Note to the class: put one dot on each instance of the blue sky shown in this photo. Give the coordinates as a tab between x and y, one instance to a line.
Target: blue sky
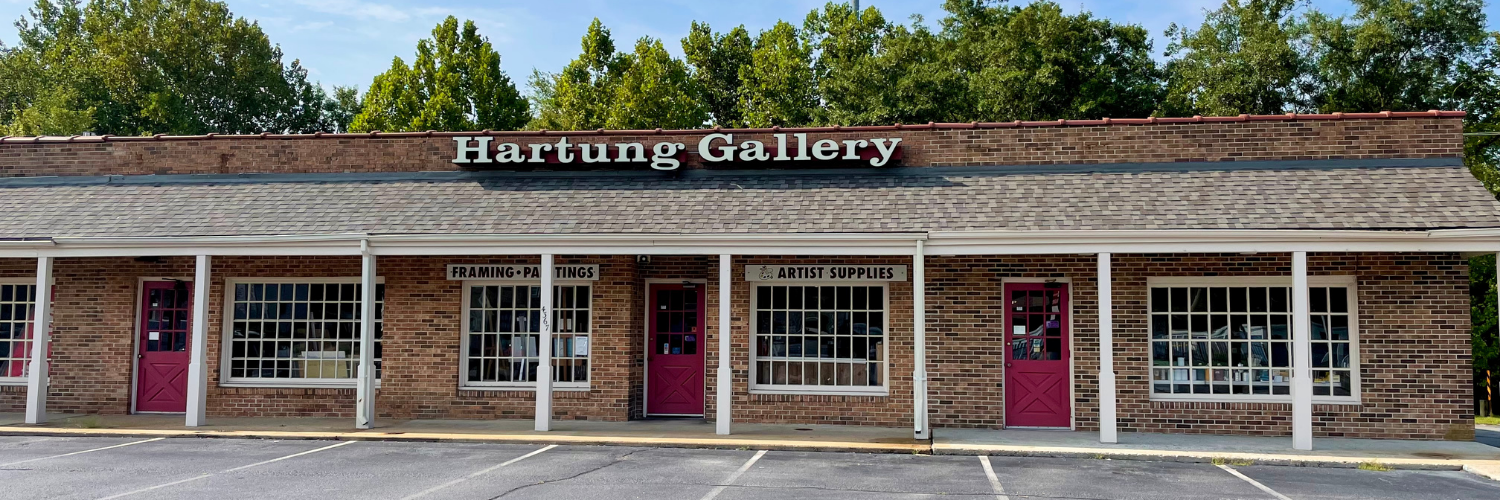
347	42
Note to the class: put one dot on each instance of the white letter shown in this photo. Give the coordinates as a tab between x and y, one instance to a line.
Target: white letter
510	153
602	152
802	147
464	149
705	148
536	152
851	145
753	151
885	153
781	148
564	151
825	149
663	159
623	149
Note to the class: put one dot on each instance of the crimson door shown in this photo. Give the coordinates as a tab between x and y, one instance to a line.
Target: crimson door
1036	372
162	355
674	363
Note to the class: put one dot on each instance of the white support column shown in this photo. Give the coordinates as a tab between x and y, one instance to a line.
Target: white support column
544	352
1301	356
724	392
1107	420
919	344
41	335
364	411
197	385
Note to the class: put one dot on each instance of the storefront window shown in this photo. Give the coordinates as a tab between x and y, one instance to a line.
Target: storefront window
504	321
16	306
1235	342
820	338
298	331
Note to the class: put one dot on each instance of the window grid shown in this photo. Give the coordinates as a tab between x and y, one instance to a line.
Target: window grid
17	302
299	330
504	330
1237	341
820	337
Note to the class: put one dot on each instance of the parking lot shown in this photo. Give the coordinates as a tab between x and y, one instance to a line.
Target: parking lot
223	469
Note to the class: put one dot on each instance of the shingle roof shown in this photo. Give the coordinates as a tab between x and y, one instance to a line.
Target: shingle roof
1367	196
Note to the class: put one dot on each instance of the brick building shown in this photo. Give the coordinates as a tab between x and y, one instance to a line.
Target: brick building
1299	275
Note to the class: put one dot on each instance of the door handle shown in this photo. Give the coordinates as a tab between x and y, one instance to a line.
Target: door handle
1007	364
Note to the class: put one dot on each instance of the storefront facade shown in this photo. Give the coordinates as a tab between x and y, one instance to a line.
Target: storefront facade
1110	276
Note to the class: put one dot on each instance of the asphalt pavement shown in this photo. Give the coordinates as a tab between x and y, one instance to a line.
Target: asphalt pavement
227	469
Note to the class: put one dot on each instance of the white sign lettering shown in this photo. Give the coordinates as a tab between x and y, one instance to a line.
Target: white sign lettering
589	272
713	148
763	272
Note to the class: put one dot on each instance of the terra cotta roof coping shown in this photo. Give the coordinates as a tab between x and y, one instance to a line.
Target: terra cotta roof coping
836	128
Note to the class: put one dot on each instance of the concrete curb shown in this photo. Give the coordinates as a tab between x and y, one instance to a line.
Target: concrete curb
431	437
1487	468
1228	458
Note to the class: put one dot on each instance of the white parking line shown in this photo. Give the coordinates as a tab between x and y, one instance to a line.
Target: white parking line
477	474
989	472
1254	483
732	477
80	452
242	467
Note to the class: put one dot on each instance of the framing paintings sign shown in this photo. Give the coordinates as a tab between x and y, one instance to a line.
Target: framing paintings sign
877	272
589	272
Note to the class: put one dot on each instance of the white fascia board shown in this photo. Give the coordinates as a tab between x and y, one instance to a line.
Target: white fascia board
1209	241
305	245
648	244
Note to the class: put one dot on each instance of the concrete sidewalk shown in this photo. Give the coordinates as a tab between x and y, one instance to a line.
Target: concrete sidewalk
695	433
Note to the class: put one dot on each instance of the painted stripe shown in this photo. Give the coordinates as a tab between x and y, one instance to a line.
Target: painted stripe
989	472
84	451
732	477
210	474
477	474
1254	483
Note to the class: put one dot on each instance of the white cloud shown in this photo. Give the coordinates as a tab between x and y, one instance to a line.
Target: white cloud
357	9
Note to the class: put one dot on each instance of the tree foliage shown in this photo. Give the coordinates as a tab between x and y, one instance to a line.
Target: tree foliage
778	88
130	67
716	59
455	83
1247	57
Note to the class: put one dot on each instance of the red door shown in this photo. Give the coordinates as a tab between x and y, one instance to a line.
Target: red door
1036	373
162	355
674	365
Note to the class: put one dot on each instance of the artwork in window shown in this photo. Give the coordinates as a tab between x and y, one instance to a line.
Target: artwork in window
299	330
1237	341
823	336
17	304
504	328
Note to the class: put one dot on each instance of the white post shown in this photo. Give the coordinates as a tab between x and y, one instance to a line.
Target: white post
724	393
1107	420
544	352
41	335
197	384
364	411
1301	356
919	344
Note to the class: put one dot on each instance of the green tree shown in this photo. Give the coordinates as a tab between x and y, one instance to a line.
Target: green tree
1246	57
340	109
577	98
1035	63
873	72
778	87
716	60
654	90
455	83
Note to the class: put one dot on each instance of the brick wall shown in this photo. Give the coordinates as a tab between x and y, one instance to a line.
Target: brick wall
1275	139
1413	343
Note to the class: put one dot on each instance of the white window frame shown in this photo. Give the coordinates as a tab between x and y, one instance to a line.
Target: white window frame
463	352
1338	281
21	380
226	337
822	390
